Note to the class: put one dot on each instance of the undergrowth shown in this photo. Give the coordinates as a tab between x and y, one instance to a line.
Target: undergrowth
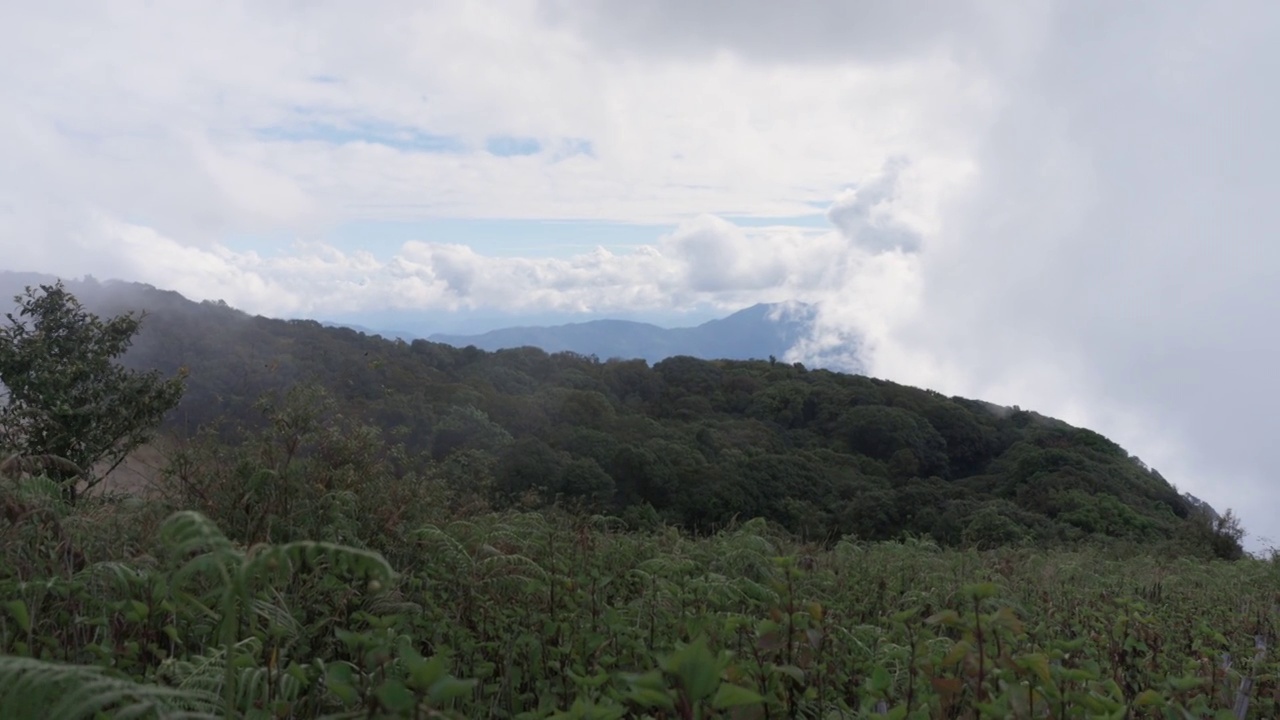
524	615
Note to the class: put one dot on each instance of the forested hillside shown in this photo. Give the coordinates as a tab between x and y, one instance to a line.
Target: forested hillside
690	442
343	526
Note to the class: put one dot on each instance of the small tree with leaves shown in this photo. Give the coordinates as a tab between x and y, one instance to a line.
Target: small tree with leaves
66	405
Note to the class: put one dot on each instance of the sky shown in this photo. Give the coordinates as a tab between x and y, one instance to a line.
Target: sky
1068	205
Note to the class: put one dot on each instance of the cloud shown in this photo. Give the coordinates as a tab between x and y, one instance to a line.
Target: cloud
817	32
330	112
706	261
865	217
1113	261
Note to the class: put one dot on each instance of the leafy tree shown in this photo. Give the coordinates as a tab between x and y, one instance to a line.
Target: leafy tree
991	527
467	428
583	478
66	397
879	432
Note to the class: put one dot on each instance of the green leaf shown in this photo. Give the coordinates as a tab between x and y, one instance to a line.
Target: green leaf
697	669
728	696
395	697
946	617
341	682
648	691
1148	698
880	680
1037	663
448	689
141	609
1184	684
18	609
424	673
790	671
980	591
904	615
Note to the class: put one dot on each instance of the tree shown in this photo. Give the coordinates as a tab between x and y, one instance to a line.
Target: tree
65	397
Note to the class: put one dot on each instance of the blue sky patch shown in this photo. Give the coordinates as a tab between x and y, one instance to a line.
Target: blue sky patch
509	145
570	147
494	237
506	237
510	237
400	138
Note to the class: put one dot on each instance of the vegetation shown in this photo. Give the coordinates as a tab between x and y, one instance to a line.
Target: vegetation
685	442
427	532
66	402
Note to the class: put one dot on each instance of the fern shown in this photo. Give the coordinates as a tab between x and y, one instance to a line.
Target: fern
38	690
240	576
254	685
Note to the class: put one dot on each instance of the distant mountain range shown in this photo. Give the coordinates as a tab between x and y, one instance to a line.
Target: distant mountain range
388	334
757	332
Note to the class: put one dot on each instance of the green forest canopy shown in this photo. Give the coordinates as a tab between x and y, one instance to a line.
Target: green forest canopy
689	442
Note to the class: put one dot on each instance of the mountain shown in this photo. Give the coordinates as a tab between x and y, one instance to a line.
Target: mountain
758	332
388	334
698	444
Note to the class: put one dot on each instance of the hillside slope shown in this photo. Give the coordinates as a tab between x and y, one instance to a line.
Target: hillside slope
688	441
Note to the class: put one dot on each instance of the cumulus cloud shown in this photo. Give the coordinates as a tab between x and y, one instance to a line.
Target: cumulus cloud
865	216
1113	261
1109	258
705	261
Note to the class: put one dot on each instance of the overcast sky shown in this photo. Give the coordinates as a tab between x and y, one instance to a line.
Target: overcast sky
1070	206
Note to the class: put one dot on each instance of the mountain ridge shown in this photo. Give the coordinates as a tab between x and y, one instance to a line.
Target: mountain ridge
696	443
757	332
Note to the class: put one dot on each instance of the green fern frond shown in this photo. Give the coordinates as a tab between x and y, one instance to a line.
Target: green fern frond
206	674
510	567
37	490
278	618
17	464
187	533
607	523
442	546
391	603
294	556
114	576
38	690
462	528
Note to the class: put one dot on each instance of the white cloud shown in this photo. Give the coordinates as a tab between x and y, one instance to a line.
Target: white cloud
154	116
865	215
704	261
1114	261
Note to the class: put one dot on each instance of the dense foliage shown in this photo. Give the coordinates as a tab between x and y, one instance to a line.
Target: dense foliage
688	442
547	615
65	399
299	561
